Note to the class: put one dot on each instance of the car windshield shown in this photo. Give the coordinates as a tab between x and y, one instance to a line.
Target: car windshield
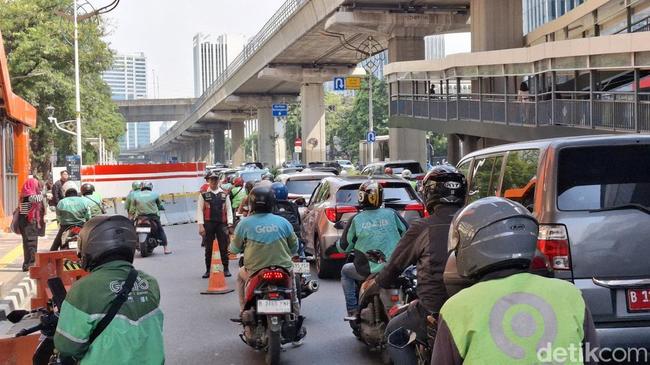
302	187
251	175
399	167
603	177
393	192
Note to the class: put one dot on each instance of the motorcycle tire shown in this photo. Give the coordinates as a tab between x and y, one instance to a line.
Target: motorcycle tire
274	347
144	249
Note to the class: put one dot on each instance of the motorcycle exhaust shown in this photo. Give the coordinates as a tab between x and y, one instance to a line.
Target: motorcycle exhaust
312	286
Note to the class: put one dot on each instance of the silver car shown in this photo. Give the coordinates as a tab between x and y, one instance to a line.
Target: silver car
591	196
334	202
302	185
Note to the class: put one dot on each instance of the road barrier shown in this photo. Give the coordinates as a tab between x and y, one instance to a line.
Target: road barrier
62	264
18	350
217	281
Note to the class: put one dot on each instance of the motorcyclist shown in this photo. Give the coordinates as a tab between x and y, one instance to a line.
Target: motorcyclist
374	228
95	201
147	203
214	217
425	245
408	176
237	193
134	335
71	211
286	208
244	208
269	240
128	202
511	316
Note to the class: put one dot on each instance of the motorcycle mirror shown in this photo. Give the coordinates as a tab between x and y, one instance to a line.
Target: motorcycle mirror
16	315
401	337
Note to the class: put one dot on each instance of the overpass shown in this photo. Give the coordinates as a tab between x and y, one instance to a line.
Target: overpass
306	43
158	110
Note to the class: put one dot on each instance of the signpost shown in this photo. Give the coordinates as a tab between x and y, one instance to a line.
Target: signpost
297	145
353	83
371	137
73	166
280	110
339	83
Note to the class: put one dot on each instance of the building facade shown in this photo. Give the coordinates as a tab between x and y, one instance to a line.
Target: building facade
212	55
434	47
539	12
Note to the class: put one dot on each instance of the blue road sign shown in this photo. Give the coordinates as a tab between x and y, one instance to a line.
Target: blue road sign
280	110
371	137
339	83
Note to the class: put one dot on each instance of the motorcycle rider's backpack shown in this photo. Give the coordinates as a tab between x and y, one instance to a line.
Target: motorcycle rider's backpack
289	211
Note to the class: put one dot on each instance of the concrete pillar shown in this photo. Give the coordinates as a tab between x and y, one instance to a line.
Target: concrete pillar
237	132
313	122
406	143
266	136
218	146
469	144
496	24
453	149
280	142
205	150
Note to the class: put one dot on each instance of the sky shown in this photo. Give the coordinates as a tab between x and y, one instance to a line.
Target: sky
163	31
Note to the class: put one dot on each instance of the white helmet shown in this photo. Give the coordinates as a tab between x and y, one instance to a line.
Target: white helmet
406	173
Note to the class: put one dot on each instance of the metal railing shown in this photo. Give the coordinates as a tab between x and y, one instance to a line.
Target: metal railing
607	110
12	192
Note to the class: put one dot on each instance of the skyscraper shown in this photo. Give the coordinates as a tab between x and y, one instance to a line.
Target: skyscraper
539	12
127	79
212	55
434	47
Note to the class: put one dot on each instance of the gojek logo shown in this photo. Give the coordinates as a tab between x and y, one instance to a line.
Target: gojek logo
522	323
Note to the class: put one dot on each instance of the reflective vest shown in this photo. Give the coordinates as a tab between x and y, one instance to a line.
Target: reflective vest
214	207
520	319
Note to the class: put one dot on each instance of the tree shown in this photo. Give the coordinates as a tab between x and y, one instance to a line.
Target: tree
38	36
251	144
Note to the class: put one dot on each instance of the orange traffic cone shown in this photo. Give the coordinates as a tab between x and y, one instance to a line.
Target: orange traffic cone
217	281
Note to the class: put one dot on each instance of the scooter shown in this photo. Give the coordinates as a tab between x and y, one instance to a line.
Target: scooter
145	228
305	285
268	317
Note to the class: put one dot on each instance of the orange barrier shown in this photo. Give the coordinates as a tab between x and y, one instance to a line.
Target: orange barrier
48	265
18	350
217	281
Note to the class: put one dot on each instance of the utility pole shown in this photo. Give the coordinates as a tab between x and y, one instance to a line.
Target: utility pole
371	126
76	80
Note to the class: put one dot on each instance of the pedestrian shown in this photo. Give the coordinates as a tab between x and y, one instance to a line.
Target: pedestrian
31	219
114	300
214	217
57	189
510	316
524	93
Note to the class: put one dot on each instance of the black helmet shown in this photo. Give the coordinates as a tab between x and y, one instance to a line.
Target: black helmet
261	199
371	195
492	234
147	185
444	184
106	238
87	188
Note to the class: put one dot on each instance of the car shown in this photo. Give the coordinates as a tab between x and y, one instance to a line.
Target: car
334	202
251	174
225	174
302	185
324	164
397	166
289	170
253	165
591	196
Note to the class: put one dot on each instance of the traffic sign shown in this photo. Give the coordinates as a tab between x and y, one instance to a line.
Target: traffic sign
371	137
297	145
280	110
339	83
353	83
73	166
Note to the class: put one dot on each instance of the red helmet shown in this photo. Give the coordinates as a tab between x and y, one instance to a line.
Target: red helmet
239	181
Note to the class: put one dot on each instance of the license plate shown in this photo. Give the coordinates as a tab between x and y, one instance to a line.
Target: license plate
301	268
143	229
72	245
638	300
273	306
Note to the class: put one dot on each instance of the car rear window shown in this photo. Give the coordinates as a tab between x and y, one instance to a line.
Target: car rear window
399	167
251	175
602	177
302	187
395	192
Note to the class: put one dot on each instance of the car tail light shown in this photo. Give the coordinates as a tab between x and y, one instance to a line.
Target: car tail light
334	214
419	207
75	230
274	295
274	276
553	242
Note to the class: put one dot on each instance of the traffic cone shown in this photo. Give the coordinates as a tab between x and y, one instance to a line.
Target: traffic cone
217	281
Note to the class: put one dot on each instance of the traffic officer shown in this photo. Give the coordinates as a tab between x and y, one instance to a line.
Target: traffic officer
425	245
510	316
214	216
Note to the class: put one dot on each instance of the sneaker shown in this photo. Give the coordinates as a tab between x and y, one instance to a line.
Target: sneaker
206	275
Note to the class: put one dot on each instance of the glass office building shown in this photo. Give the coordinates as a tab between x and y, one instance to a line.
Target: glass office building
539	12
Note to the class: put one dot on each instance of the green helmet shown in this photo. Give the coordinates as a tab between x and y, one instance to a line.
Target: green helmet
136	185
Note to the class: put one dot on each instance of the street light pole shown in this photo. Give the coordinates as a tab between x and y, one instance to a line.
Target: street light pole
370	116
76	79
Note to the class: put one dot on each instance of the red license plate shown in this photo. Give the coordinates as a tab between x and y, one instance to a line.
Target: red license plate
638	300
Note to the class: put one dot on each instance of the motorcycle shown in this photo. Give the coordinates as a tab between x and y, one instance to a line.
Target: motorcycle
305	285
146	228
70	237
268	318
45	353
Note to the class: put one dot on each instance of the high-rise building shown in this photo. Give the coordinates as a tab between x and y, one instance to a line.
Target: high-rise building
212	55
539	12
127	79
434	47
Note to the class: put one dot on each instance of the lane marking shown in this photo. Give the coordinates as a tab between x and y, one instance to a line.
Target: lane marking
11	256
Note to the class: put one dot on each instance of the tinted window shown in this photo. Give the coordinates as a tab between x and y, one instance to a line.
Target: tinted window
302	187
519	176
399	167
485	177
603	177
395	192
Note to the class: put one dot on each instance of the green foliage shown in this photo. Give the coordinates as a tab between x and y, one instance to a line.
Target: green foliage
38	41
292	128
251	143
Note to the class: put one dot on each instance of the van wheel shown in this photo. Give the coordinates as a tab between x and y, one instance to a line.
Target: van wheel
325	269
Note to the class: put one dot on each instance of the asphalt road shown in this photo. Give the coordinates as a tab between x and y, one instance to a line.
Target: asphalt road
197	327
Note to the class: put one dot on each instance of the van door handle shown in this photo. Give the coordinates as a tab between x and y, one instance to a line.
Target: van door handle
631	283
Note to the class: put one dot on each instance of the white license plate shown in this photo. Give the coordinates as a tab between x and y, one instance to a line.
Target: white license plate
301	268
273	306
143	229
72	245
